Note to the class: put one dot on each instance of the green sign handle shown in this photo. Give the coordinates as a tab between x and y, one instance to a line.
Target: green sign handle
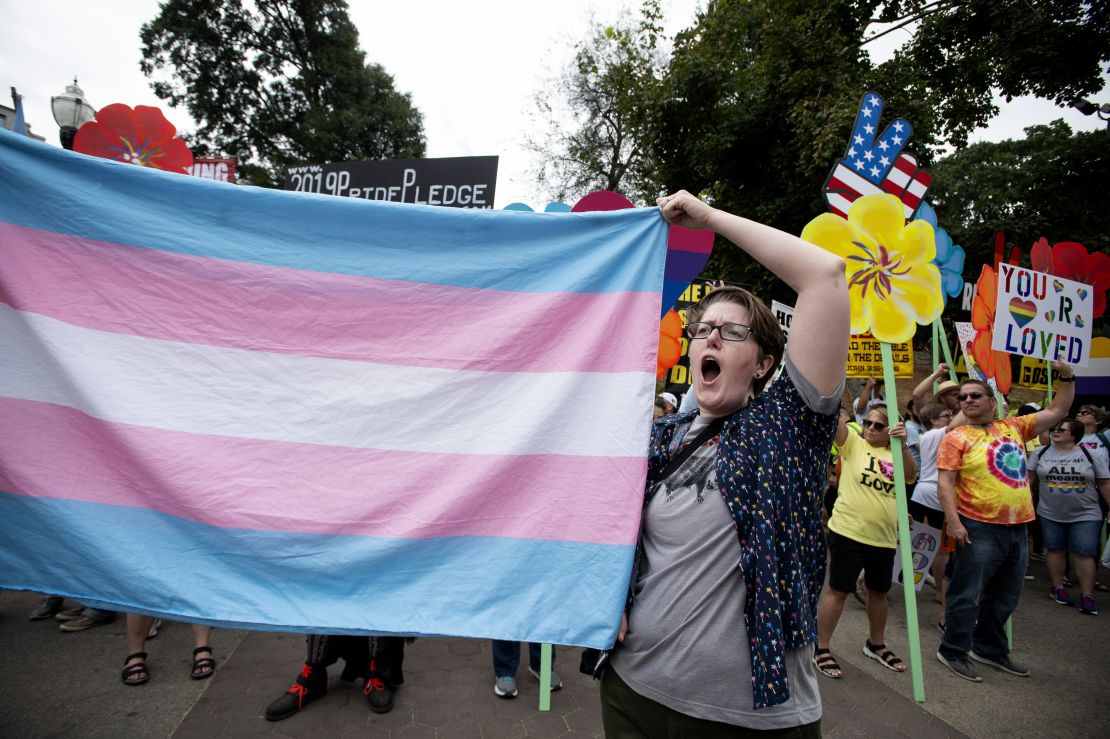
904	541
939	326
545	677
936	356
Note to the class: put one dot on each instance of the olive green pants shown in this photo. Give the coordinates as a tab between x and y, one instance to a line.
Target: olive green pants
626	714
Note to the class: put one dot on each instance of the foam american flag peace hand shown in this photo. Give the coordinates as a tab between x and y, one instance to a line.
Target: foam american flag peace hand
875	162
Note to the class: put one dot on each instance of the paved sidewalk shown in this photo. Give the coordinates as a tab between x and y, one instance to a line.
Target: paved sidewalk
448	694
68	685
64	685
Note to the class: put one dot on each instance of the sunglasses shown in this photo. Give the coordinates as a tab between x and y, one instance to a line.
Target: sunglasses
970	396
877	425
1084	412
1058	429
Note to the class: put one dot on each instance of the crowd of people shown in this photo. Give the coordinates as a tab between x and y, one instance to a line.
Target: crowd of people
729	622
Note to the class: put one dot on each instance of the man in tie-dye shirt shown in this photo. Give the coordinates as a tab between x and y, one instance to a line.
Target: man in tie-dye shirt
984	489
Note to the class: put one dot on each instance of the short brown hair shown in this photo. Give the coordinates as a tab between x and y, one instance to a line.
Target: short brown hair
765	327
986	388
931	412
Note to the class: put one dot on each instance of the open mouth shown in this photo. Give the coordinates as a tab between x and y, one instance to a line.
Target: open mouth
709	369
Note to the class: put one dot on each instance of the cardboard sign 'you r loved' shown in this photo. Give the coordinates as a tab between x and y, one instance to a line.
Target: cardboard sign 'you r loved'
1043	316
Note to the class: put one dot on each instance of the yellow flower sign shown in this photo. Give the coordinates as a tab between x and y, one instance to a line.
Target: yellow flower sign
891	281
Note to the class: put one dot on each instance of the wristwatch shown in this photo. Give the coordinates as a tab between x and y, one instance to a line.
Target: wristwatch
1069	378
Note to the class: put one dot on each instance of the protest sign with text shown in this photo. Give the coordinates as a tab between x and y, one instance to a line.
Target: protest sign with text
865	358
784	314
1042	316
459	182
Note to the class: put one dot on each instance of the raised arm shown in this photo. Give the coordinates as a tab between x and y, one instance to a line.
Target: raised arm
924	388
841	430
819	331
1057	410
865	397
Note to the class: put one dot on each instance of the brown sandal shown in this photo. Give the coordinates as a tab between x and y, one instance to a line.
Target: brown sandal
826	663
135	674
203	667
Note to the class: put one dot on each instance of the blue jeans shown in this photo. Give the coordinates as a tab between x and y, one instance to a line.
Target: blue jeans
987	577
94	613
506	657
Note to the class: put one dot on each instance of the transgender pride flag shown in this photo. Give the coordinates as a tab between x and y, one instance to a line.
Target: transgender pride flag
294	412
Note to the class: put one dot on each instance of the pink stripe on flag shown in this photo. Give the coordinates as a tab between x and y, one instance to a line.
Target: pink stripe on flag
51	451
143	292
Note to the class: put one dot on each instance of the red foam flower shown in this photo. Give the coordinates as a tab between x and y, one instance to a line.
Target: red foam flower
141	136
993	363
1074	263
1041	257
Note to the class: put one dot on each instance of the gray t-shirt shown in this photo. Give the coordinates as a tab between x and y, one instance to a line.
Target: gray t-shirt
1068	484
687	644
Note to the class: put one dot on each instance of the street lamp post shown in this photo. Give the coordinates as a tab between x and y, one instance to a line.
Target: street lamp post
71	111
1086	107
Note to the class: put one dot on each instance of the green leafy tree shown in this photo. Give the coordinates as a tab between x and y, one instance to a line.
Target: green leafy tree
759	96
762	93
1052	183
591	132
277	83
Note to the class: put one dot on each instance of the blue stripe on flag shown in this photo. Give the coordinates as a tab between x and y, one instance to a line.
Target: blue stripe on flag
51	189
464	586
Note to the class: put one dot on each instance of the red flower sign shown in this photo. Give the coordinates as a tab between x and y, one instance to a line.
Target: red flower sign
141	136
1072	262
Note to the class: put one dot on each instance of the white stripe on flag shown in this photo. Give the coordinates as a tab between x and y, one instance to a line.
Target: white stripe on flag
838	203
237	393
854	181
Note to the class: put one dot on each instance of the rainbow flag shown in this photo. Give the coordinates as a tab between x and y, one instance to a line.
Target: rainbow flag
294	412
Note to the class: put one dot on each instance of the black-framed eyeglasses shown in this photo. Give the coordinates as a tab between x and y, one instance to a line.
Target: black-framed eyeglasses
1060	428
947	414
970	396
727	331
877	425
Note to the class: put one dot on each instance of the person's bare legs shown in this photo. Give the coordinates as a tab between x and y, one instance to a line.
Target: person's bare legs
940	562
201	634
1056	559
829	610
137	628
877	605
1084	572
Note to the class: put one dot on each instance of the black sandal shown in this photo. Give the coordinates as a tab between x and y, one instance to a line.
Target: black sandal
825	663
135	674
883	656
203	667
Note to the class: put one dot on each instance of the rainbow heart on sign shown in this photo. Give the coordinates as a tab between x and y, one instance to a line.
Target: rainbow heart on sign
687	251
1023	311
1050	316
1079	322
1082	293
1057	285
